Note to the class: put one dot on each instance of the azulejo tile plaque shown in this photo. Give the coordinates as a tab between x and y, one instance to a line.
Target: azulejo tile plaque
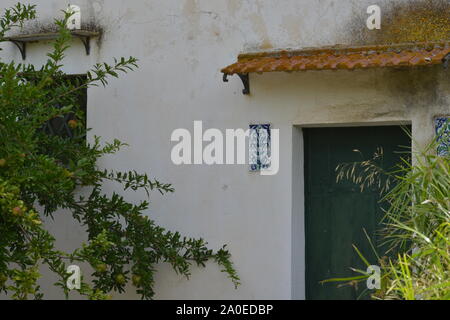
259	147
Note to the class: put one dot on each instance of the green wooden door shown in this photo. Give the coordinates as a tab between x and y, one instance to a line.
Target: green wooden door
336	213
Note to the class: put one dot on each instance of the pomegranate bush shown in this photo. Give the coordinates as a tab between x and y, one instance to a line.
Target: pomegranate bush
42	173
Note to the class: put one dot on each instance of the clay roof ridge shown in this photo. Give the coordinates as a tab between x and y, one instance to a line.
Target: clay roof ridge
341	49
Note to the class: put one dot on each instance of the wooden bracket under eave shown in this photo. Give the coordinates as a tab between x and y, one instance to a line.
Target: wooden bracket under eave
245	81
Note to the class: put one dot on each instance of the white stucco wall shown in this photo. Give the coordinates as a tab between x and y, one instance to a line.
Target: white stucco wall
182	45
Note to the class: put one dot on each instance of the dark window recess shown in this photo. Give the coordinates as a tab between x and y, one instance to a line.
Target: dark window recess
60	126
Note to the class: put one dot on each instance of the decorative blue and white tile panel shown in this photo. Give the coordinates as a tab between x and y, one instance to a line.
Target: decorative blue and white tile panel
442	125
259	147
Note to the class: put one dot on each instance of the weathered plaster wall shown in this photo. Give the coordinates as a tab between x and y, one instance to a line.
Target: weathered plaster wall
182	45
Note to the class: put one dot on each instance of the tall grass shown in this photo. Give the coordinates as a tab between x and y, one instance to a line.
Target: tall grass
416	224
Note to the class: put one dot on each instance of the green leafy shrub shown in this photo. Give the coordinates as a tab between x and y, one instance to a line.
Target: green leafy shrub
41	173
416	226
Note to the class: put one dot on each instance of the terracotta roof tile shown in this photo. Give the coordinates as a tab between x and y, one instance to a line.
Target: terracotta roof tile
333	58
